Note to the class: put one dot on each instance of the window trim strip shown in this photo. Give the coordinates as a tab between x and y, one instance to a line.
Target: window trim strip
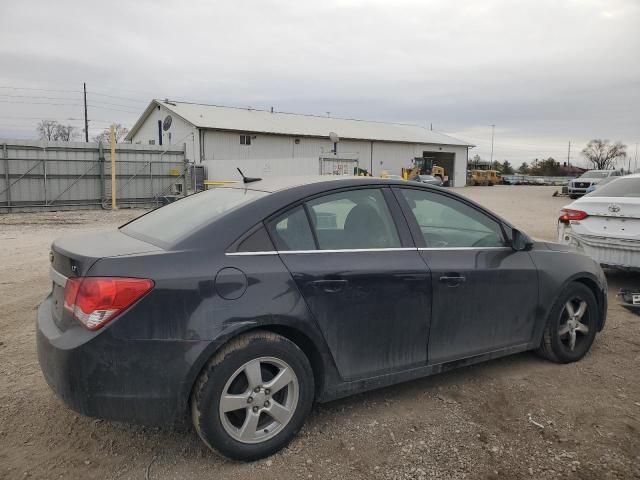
362	250
423	249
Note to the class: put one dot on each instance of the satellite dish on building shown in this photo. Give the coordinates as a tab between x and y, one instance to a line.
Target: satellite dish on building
333	136
167	123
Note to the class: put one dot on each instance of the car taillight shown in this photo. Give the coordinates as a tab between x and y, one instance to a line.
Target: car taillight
569	214
95	301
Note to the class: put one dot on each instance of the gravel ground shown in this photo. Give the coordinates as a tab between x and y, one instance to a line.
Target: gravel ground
517	417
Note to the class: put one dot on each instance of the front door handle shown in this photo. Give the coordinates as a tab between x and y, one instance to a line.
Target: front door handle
329	286
452	279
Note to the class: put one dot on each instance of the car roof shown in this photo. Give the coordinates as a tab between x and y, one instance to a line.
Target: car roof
277	184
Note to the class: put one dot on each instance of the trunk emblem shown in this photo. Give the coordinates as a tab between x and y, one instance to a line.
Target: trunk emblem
613	208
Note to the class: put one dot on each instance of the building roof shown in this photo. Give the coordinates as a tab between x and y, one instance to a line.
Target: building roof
278	123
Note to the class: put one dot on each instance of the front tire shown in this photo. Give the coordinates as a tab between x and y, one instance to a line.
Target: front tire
253	396
572	325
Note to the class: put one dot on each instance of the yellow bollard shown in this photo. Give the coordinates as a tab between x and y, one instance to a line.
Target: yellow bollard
112	138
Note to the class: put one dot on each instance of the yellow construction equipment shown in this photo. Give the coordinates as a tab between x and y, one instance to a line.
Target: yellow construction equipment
477	177
425	166
493	177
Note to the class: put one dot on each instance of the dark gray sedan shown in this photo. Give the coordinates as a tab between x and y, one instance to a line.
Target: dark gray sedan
241	306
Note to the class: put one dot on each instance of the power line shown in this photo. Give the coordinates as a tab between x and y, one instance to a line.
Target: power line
113	104
38	97
118	97
110	108
8	87
40	103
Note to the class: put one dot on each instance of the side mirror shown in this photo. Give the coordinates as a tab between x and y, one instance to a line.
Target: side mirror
520	241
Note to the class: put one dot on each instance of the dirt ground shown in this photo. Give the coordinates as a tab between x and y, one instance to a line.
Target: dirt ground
518	417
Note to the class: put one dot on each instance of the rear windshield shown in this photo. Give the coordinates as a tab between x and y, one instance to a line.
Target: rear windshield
168	224
622	187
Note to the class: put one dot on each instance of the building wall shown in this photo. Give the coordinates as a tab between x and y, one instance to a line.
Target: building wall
374	156
178	134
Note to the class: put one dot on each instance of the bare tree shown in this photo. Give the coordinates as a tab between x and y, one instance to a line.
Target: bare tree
47	129
104	137
52	130
603	154
65	133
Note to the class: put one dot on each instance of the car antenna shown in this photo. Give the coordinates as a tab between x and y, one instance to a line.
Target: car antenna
248	179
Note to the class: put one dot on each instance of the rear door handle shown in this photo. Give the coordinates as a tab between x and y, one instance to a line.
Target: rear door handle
329	286
452	279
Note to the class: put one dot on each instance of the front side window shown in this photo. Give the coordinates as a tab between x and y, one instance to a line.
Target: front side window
353	219
449	223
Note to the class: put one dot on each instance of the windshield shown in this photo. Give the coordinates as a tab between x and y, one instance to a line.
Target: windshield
622	187
595	174
168	224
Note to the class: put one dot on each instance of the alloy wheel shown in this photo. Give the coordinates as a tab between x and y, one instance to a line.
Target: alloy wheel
574	323
258	400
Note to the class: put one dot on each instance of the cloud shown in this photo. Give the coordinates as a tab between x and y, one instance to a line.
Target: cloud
543	71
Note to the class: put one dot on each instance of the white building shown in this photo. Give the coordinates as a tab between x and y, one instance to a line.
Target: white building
265	143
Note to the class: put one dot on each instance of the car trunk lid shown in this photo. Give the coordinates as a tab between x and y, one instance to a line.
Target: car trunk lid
613	217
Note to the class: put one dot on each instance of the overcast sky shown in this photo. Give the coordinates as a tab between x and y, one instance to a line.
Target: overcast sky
543	71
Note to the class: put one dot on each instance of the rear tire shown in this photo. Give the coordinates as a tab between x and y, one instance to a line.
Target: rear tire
253	396
572	325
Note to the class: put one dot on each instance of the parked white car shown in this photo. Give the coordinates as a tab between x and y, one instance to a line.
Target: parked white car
606	223
578	186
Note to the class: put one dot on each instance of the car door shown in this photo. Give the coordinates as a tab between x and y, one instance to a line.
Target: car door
484	293
352	257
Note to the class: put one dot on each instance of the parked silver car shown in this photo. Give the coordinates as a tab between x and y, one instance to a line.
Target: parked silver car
429	180
578	186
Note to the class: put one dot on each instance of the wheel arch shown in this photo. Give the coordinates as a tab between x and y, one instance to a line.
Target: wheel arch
301	339
592	285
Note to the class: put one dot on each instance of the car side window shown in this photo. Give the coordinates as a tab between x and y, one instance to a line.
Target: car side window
353	219
258	241
291	231
449	223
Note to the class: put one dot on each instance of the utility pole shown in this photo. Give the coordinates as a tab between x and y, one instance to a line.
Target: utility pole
86	122
635	162
569	156
491	161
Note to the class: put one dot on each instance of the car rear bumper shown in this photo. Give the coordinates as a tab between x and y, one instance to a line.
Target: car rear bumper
609	252
101	376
